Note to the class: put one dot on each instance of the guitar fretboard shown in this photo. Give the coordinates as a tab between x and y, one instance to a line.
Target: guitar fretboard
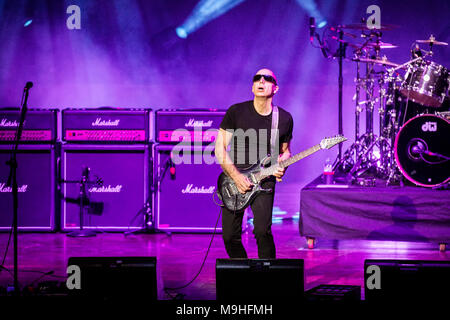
264	173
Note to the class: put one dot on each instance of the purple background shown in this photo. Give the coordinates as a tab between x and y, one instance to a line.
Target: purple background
119	58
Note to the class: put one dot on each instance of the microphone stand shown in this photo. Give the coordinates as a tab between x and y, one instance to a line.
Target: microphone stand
341	55
83	201
12	182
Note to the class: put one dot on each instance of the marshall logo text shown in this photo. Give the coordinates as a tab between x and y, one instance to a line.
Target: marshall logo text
198	123
8	123
4	188
108	188
105	123
191	189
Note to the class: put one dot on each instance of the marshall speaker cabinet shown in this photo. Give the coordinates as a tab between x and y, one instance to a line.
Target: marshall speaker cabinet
35	173
121	175
185	179
173	126
36	181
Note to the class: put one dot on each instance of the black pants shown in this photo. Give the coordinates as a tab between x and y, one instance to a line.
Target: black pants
262	221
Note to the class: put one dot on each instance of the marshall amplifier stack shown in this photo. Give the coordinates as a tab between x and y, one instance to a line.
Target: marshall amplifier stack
185	171
175	178
114	145
36	169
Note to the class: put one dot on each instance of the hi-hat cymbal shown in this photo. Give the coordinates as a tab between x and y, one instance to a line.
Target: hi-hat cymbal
382	45
363	26
384	62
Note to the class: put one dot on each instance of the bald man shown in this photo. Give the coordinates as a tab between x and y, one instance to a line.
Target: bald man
246	128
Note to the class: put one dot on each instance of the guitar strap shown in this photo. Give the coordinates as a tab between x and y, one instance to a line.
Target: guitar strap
274	131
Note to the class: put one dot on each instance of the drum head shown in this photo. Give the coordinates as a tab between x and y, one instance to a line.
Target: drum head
414	142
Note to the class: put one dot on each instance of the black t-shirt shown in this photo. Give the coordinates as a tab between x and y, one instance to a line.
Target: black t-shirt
251	132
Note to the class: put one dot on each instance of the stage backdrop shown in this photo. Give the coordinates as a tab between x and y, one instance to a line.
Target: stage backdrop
127	54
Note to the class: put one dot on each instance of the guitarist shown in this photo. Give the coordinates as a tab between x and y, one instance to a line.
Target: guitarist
252	116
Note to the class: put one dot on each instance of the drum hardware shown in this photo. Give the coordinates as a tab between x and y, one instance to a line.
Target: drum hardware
423	87
366	182
444	114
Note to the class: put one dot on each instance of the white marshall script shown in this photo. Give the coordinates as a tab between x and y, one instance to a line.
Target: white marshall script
198	123
4	188
109	188
7	123
105	123
191	189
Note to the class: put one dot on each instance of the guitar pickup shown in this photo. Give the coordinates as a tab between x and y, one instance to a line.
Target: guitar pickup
253	179
228	192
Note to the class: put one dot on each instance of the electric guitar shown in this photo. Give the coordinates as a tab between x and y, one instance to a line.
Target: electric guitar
229	193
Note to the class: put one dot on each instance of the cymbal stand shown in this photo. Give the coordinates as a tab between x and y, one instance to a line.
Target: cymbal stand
358	108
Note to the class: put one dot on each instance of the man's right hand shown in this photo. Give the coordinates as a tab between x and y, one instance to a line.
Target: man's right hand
242	183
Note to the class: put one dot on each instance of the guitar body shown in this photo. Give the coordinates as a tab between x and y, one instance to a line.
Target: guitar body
229	194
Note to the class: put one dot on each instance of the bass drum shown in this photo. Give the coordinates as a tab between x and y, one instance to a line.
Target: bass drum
422	150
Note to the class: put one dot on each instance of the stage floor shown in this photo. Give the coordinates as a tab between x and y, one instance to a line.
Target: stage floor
179	256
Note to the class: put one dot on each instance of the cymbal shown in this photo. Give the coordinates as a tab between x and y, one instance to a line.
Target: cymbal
363	26
384	62
382	45
433	42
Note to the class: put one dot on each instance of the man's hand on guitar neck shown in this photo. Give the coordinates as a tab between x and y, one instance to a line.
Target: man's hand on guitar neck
283	156
279	174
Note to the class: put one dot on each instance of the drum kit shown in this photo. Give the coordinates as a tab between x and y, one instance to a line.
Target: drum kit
413	141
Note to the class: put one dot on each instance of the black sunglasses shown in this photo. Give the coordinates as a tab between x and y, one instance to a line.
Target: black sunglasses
266	77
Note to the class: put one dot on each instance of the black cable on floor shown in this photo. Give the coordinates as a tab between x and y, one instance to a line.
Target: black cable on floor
180	296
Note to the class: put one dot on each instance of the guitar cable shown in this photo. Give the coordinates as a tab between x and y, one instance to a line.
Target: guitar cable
180	296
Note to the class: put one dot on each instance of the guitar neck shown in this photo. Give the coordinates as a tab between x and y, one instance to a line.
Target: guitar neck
299	156
286	163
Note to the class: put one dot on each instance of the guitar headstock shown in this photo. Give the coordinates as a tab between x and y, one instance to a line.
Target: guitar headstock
327	143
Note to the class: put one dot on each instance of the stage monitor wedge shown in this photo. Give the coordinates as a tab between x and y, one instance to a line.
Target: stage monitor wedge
116	277
259	280
406	280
